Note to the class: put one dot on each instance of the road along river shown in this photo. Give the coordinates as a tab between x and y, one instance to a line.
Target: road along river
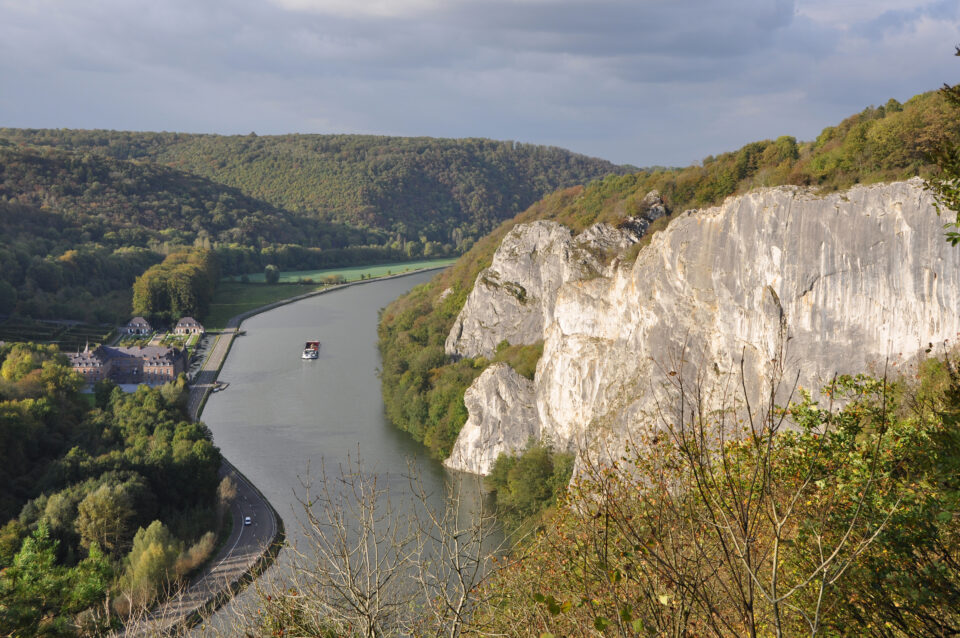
282	414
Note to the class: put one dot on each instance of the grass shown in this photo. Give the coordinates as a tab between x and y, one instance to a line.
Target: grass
233	297
353	274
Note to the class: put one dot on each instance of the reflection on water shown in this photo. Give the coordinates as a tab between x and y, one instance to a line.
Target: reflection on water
282	414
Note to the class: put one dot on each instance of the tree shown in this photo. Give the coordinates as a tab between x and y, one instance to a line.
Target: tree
271	274
21	359
8	297
151	565
371	566
946	184
102	390
40	597
105	516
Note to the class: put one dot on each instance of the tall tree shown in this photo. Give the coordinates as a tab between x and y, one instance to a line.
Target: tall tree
946	184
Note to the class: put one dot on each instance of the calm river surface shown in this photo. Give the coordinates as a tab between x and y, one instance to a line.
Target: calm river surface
282	413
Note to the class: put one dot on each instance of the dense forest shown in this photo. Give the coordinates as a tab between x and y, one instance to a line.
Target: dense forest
119	202
101	507
423	389
442	190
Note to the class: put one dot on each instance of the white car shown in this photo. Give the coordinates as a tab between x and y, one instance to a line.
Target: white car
246	520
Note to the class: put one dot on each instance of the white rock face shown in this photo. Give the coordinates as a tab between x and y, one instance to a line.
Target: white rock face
854	278
513	299
503	416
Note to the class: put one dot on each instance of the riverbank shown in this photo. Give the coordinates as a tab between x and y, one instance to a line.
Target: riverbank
242	558
234	298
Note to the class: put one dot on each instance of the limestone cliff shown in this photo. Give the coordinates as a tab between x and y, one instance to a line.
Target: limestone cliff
503	416
513	299
852	278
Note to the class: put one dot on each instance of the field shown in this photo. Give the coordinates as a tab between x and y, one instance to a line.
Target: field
233	298
352	274
68	336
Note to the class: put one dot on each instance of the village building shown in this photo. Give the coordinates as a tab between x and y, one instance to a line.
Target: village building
137	326
188	326
152	365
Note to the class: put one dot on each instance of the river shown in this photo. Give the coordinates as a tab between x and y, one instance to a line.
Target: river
281	414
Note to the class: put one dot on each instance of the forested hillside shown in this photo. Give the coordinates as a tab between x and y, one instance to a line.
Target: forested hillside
443	190
121	201
423	389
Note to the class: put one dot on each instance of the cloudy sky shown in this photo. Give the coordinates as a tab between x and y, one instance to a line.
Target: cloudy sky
634	81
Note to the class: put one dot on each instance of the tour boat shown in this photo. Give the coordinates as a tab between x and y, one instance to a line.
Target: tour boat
311	350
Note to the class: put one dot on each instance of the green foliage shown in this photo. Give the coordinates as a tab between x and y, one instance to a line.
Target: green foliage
945	184
105	515
404	188
83	480
151	565
39	597
271	274
181	286
82	213
523	359
526	484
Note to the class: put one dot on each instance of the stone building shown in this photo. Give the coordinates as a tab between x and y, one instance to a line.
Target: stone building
137	326
188	326
140	364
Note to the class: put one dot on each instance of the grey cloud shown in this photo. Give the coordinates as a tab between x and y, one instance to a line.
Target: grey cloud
639	81
898	21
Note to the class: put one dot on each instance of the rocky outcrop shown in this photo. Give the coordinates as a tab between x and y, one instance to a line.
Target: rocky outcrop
513	299
848	280
503	417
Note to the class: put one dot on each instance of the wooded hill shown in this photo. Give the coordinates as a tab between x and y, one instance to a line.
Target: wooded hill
297	201
423	390
444	190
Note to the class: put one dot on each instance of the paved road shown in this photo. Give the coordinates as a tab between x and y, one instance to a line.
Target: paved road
242	550
206	379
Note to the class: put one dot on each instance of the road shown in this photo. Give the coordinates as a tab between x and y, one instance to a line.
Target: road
238	556
206	378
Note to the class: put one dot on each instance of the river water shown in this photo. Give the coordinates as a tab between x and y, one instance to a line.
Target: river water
281	414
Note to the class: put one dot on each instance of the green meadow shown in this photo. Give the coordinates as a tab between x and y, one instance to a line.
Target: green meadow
350	274
233	297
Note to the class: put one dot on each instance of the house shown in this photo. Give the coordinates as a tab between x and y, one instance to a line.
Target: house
152	365
137	326
188	326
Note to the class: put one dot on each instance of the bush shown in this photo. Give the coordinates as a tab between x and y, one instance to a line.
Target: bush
271	274
526	484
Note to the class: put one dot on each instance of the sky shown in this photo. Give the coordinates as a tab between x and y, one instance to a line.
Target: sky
644	82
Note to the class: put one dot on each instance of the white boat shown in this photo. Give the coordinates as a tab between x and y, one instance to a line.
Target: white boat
311	350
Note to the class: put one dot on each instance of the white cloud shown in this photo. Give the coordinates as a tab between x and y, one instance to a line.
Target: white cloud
846	12
360	8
